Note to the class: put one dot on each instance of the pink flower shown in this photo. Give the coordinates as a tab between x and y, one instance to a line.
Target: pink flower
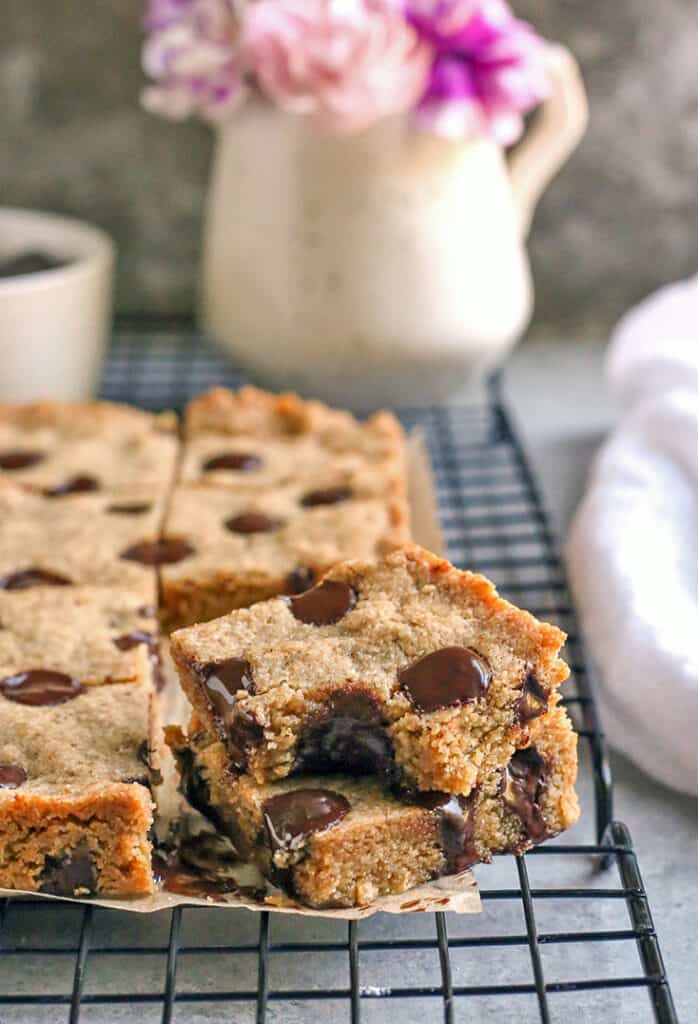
488	71
343	63
193	55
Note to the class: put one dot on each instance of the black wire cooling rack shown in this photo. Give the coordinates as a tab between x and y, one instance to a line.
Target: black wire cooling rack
565	933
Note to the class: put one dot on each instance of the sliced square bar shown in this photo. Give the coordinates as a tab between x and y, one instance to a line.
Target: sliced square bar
106	538
248	546
340	841
251	438
273	491
75	801
60	448
95	635
409	669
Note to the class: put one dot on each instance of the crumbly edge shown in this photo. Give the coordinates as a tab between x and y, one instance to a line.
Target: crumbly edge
114	822
220	411
91	415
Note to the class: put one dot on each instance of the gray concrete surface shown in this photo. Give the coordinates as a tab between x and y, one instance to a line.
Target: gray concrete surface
619	221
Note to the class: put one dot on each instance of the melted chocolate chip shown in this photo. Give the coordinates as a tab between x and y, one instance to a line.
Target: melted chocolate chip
128	641
453	675
26	578
12	776
222	681
173	875
166	551
533	701
300	580
326	603
349	736
328	496
241	462
71	874
73	485
523	786
20	459
252	522
133	509
457	819
39	687
292	817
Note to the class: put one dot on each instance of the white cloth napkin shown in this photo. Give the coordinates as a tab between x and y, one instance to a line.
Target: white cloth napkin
633	547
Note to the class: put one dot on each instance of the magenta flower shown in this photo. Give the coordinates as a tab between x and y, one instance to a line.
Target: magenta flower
343	63
488	70
192	54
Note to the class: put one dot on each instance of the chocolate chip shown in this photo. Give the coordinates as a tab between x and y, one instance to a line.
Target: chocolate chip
128	641
523	786
453	675
222	681
328	496
252	522
166	551
71	874
349	736
12	776
533	701
20	459
326	603
26	578
73	485
39	687
457	819
241	462
300	580
292	817
133	509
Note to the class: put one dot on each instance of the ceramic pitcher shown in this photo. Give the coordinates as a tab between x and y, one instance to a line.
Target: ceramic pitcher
384	268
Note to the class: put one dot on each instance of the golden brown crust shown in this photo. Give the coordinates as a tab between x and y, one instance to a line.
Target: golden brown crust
75	419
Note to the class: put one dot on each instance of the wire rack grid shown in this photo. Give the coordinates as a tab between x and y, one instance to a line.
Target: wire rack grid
565	931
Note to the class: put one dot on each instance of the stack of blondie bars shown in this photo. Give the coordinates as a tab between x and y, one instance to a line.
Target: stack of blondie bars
365	716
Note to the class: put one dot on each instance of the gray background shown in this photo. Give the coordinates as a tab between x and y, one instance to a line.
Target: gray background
621	220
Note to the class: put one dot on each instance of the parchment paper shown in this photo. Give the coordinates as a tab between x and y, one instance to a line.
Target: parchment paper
457	893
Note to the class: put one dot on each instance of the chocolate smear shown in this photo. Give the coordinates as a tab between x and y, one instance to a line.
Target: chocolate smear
73	485
26	578
328	496
241	462
523	786
252	522
166	551
20	459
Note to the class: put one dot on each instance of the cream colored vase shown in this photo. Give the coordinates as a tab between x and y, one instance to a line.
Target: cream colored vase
384	268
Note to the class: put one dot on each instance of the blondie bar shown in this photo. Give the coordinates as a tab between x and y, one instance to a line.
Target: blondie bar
408	669
107	538
273	491
75	800
253	439
60	448
339	841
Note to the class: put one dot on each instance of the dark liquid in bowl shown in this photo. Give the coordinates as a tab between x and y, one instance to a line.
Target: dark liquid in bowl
32	261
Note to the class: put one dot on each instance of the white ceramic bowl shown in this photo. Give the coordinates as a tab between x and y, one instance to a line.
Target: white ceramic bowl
53	323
